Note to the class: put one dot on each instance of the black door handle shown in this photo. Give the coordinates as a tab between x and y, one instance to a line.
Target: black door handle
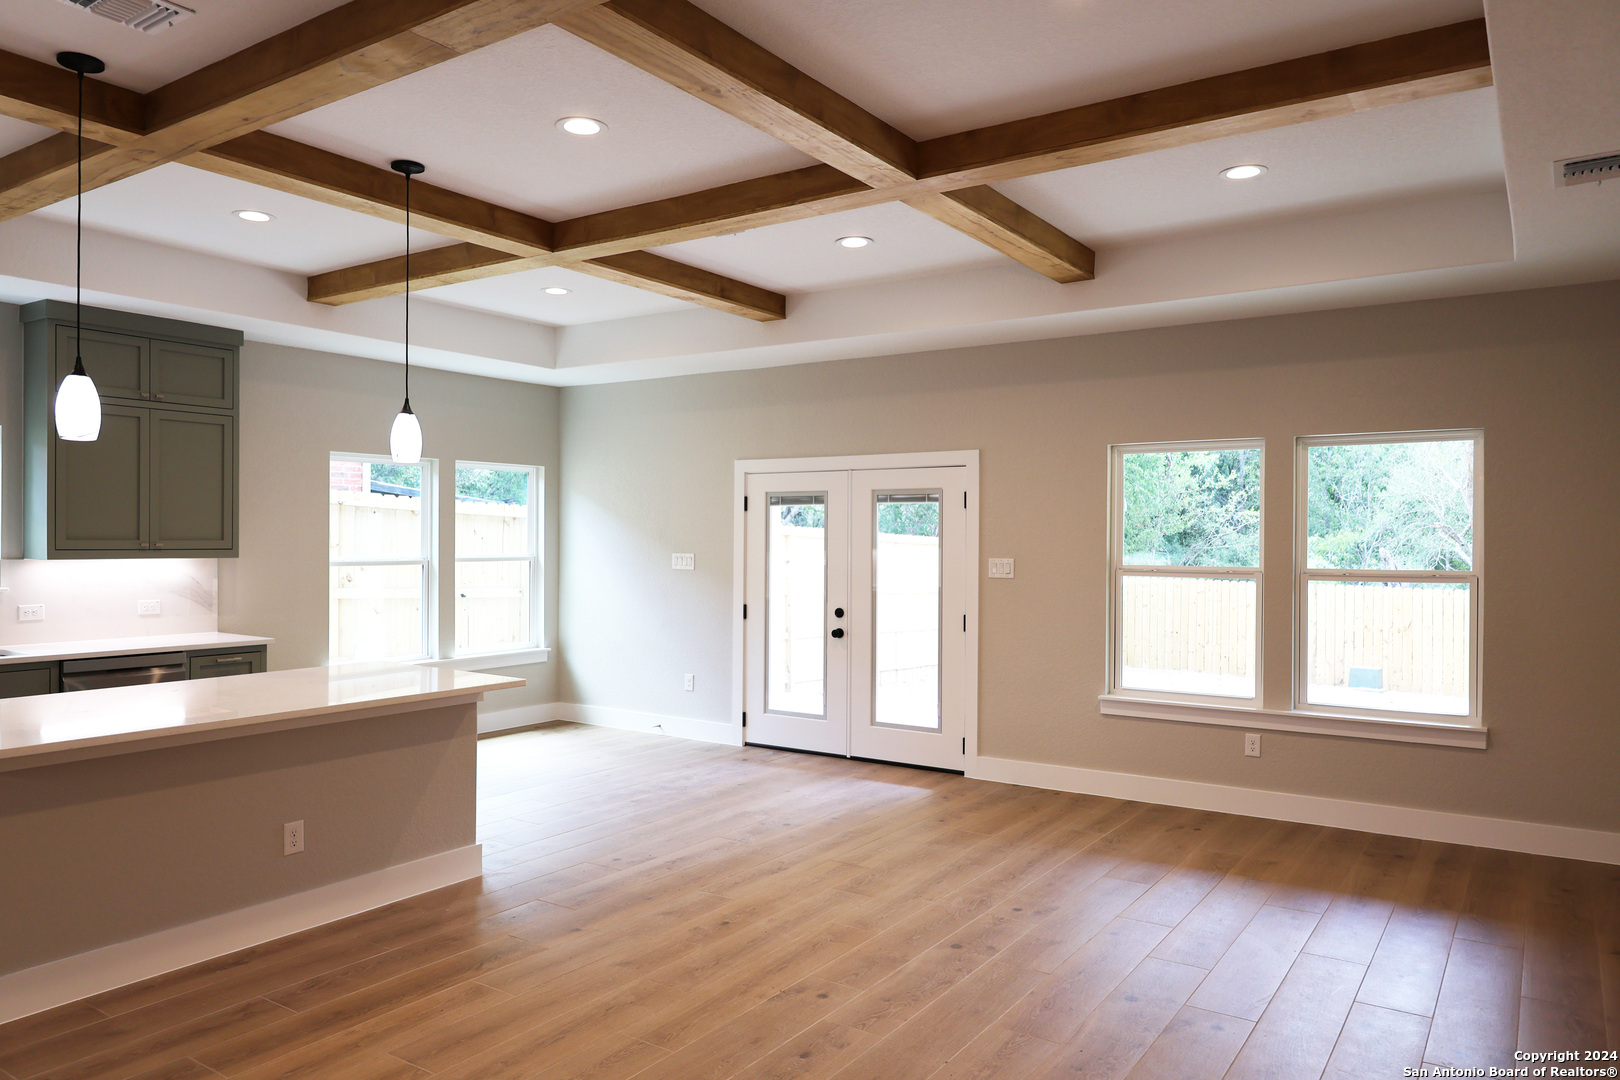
838	632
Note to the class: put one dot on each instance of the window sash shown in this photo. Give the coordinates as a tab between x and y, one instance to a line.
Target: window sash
424	586
1120	570
1304	575
533	507
427	561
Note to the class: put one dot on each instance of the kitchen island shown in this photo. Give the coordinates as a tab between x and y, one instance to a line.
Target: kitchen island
143	828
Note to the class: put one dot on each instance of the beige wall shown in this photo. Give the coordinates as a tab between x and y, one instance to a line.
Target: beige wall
649	472
300	406
105	850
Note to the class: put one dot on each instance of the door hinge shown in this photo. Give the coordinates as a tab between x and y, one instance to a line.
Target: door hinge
745	724
745	504
745	611
964	500
964	623
964	744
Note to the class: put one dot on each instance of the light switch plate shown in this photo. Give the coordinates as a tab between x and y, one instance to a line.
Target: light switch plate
149	607
1001	568
687	561
30	612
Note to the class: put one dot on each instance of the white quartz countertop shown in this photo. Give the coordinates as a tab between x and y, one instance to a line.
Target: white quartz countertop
50	728
128	646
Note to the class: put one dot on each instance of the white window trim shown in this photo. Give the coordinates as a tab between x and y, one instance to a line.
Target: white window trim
428	562
1117	571
1473	720
535	650
1385	728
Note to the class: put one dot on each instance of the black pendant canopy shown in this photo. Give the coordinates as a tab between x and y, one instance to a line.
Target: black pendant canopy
80	62
408	167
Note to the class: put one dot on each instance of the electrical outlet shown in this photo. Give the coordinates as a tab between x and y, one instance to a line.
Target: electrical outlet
689	683
30	612
1251	745
687	561
292	838
148	607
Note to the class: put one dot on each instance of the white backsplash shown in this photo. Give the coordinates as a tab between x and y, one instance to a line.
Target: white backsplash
98	598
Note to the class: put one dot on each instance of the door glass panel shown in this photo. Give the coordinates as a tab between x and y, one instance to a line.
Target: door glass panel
796	605
906	605
1400	645
1187	635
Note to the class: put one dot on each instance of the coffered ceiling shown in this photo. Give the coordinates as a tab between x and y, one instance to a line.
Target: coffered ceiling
745	136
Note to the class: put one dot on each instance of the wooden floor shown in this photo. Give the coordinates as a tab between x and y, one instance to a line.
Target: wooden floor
670	910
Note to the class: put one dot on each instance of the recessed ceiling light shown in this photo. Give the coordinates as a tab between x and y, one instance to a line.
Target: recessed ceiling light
1243	172
854	241
581	125
255	215
556	290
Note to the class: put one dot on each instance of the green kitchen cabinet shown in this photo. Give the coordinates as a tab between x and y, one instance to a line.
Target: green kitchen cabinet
161	480
26	680
215	665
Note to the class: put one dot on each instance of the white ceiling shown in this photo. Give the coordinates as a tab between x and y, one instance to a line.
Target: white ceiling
485	124
188	208
1402	201
1408	150
523	296
936	67
801	256
42	28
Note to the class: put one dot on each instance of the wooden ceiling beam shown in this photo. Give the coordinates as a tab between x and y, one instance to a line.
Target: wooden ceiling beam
341	52
690	49
285	165
48	95
1443	60
1430	63
657	274
991	218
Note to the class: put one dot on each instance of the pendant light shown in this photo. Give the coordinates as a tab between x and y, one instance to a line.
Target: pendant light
405	439
78	406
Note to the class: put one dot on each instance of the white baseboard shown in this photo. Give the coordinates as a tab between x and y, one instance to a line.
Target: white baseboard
1558	840
523	716
657	723
32	990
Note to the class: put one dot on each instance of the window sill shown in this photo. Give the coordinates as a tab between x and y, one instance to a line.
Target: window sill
490	661
1436	733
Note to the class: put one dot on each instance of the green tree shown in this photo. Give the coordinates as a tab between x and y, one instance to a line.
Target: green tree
493	485
1192	508
1391	506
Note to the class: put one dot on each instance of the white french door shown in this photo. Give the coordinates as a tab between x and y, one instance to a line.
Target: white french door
856	613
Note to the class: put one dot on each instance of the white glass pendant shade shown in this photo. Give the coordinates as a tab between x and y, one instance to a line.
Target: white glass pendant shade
78	408
405	439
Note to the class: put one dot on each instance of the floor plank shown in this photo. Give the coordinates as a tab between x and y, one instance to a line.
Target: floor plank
655	909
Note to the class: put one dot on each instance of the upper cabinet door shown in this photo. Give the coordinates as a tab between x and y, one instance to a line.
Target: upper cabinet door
193	375
100	499
193	481
116	363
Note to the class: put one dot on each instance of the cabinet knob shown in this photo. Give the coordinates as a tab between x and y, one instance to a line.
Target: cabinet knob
145	544
158	545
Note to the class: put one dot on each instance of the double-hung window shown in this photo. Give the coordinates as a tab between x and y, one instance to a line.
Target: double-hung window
1185	538
380	555
497	557
1388	574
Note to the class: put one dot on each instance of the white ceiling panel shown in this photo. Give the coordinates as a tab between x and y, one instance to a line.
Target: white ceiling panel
16	134
1402	150
944	66
523	296
42	28
803	256
192	209
484	124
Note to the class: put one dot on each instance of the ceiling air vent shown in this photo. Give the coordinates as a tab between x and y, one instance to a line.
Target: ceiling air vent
149	16
1588	170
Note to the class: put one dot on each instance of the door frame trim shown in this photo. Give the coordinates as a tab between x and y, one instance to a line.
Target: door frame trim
968	459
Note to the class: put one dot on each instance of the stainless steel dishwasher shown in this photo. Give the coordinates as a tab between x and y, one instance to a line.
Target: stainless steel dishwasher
104	671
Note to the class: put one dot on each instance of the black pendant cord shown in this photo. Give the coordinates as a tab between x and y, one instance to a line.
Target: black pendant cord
407	292
78	247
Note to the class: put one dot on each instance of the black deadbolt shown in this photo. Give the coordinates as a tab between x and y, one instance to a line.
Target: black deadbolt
838	632
838	613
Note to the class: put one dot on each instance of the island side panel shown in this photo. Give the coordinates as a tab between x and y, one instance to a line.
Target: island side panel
104	850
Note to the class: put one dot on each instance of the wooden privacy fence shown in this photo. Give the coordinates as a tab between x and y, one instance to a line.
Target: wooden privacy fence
377	610
1401	637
